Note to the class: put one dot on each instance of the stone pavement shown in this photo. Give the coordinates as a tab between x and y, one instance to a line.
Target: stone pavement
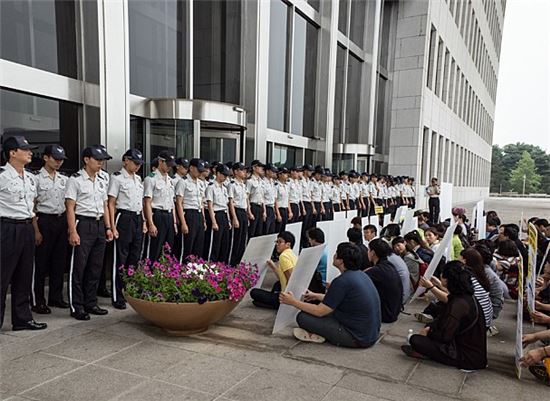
121	357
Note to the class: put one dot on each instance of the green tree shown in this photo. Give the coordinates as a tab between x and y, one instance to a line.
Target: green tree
499	175
525	170
512	153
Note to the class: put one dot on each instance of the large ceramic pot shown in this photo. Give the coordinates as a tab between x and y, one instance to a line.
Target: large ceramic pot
182	319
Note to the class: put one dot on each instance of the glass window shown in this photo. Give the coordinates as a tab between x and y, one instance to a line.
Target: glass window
42	122
304	72
278	36
40	34
339	95
285	156
217	50
357	23
91	41
92	130
446	76
431	57
439	68
385	35
381	135
174	135
314	3
137	133
341	162
343	16
353	99
157	41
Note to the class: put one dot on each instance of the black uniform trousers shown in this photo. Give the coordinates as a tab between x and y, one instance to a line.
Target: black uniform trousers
177	249
164	221
307	223
127	248
238	243
50	258
86	263
351	203
269	224
365	211
280	226
16	261
335	208
329	213
317	216
255	227
433	204
218	243
193	241
296	215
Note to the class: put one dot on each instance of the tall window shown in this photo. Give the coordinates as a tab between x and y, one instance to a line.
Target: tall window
343	16
357	22
353	99
445	76
339	95
439	68
431	57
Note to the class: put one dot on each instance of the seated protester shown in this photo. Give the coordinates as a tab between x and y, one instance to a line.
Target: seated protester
457	336
287	261
423	218
497	287
411	259
386	280
389	232
369	233
492	228
433	238
511	232
474	264
404	275
348	315
315	237
456	244
534	358
415	243
507	264
355	237
356	223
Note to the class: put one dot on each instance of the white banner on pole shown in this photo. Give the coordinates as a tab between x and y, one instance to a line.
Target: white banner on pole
531	278
441	250
408	223
258	251
519	321
335	232
296	230
480	219
387	219
400	213
446	201
340	215
298	284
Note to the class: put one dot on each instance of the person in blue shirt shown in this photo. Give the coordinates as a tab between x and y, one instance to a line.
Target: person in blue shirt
316	236
348	315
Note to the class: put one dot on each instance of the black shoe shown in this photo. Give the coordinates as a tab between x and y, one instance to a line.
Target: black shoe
119	304
96	310
80	315
59	304
30	325
103	293
408	350
41	309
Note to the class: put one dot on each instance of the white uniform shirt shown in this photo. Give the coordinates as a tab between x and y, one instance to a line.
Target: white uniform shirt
192	191
175	179
294	191
335	194
17	193
255	189
50	192
160	189
353	191
269	191
316	190
282	191
306	189
327	187
238	192
217	194
364	189
90	195
128	190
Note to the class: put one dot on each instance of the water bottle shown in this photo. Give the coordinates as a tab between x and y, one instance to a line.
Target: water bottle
411	332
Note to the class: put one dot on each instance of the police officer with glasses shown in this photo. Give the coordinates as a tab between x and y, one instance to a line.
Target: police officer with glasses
50	231
17	194
125	211
89	229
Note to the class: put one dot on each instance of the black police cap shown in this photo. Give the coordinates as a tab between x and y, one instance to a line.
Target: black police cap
16	142
223	169
257	163
307	167
180	161
55	151
96	152
134	155
168	157
271	167
198	164
238	166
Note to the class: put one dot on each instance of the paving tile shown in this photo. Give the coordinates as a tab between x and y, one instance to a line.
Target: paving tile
91	346
91	383
277	386
339	394
139	331
28	371
490	385
437	377
155	390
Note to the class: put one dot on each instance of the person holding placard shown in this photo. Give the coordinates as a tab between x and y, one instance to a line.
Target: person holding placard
348	315
538	359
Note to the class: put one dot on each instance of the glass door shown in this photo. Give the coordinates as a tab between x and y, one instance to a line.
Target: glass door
221	146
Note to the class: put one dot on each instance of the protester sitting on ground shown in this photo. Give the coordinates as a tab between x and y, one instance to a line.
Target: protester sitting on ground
386	279
389	232
511	232
456	244
507	264
369	233
533	358
287	261
411	259
457	336
423	218
497	287
348	315
404	274
316	237
492	228
417	244
355	237
356	223
433	238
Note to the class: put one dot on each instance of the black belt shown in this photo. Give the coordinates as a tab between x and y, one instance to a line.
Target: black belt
39	214
129	212
89	218
220	211
191	210
15	221
162	211
271	206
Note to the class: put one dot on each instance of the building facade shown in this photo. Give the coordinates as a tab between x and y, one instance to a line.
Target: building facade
401	87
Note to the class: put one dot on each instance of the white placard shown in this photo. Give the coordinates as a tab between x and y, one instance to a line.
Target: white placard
258	251
335	232
340	215
446	201
296	230
519	321
480	220
530	280
400	213
408	223
441	250
298	284
387	219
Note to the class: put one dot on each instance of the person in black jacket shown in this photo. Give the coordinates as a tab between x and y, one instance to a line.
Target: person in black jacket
386	279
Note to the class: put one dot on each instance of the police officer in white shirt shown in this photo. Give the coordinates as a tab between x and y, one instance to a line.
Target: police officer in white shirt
295	195
344	189
336	194
238	207
126	214
283	211
308	211
50	231
317	195
181	169
89	229
269	198
189	204
158	206
327	188
257	212
17	242
218	231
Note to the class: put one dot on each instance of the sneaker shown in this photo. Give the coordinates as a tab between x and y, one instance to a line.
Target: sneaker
492	331
539	371
423	318
408	350
303	335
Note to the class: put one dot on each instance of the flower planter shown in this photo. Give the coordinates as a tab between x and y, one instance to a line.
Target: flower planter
182	319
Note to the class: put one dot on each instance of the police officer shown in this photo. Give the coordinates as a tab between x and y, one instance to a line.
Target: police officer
270	196
327	188
181	169
238	208
283	210
125	211
344	190
17	194
158	206
108	257
308	211
317	195
295	195
257	212
50	231
218	234
89	228
336	194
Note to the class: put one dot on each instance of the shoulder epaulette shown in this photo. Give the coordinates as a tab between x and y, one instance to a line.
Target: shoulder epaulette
151	174
2	169
28	170
184	177
210	183
63	173
116	173
76	175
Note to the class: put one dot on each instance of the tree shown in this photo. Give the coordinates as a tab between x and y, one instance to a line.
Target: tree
499	175
525	171
512	153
